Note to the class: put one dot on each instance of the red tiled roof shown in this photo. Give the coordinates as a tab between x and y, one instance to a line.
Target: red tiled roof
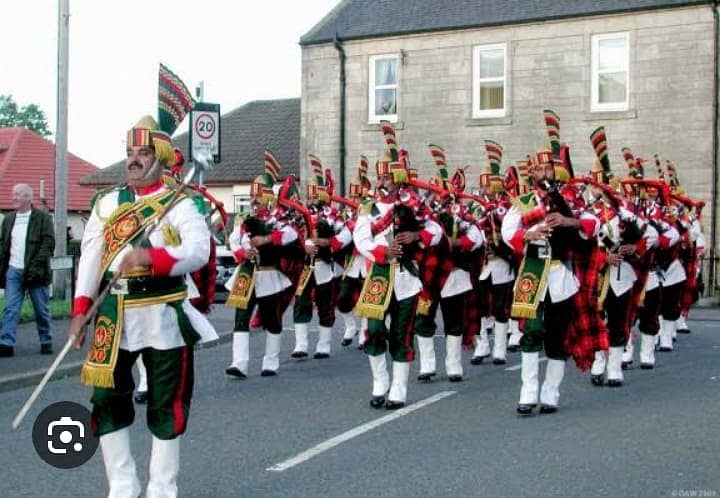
26	157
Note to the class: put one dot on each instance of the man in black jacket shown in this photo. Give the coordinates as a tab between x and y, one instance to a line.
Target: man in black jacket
26	245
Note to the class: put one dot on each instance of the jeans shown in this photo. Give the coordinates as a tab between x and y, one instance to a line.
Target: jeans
14	296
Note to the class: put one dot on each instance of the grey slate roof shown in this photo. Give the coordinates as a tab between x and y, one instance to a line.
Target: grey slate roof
356	19
244	134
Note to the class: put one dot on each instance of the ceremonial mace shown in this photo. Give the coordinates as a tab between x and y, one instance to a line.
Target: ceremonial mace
199	164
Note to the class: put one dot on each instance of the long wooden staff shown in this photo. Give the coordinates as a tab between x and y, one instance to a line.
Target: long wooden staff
199	164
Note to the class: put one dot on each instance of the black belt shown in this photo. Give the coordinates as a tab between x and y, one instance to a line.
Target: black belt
150	285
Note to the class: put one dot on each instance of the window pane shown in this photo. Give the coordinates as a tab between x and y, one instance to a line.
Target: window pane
385	101
612	87
612	53
492	63
386	72
491	96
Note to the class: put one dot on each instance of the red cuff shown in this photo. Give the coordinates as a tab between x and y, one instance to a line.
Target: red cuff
425	237
641	247
379	225
276	237
534	216
239	255
380	255
161	261
466	244
518	241
335	244
81	305
588	227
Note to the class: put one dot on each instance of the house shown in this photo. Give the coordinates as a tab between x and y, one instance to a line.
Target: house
26	157
457	72
245	133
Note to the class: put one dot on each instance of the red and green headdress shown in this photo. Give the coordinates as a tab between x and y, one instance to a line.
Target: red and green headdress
360	186
262	186
389	162
316	188
598	139
491	176
438	155
552	123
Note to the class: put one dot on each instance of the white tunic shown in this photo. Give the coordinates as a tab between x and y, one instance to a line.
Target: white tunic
155	326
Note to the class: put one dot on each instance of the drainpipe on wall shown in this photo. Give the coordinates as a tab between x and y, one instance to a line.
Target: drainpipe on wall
341	53
716	161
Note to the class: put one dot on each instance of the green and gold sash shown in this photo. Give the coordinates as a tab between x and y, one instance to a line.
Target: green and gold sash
530	287
376	292
243	287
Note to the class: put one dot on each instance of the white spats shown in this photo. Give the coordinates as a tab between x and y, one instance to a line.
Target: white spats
667	329
271	360
398	389
324	337
380	375
647	350
614	364
119	464
350	325
241	351
529	373
554	373
482	345
453	356
426	347
500	341
164	467
515	334
598	366
301	338
142	375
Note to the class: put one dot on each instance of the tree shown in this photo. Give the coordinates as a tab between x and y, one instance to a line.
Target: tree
30	116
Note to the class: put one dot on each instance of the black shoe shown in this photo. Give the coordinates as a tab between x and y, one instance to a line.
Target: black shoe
525	410
513	349
426	377
647	366
455	378
477	360
614	383
321	356
46	348
346	342
377	401
140	397
235	372
597	380
361	347
545	409
499	361
626	365
394	405
665	349
6	351
268	373
683	331
299	354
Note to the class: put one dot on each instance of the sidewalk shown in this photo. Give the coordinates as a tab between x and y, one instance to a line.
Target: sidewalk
28	366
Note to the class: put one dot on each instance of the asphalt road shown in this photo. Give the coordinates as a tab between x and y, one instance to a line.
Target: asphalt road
655	436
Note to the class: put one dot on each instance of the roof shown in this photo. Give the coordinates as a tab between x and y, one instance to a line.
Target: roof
357	19
26	157
245	133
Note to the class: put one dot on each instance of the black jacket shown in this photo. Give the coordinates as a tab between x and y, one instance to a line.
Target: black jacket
39	247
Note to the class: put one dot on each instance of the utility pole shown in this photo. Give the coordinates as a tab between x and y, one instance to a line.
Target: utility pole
61	164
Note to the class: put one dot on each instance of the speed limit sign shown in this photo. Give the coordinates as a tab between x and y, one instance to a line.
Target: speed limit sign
205	130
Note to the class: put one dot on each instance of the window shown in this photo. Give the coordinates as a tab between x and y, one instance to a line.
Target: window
610	72
383	88
489	80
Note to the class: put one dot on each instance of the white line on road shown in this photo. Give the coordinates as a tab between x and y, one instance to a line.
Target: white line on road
519	365
357	431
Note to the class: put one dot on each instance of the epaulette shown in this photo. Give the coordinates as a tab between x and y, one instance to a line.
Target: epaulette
524	203
100	193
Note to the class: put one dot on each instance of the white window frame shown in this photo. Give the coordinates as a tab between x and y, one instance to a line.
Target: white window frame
376	118
478	113
241	203
595	104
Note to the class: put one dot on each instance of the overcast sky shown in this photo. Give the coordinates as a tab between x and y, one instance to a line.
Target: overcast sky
242	50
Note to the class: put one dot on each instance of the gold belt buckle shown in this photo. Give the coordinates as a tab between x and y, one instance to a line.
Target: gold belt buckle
120	287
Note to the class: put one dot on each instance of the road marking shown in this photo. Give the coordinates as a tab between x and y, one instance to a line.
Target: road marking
519	365
357	431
